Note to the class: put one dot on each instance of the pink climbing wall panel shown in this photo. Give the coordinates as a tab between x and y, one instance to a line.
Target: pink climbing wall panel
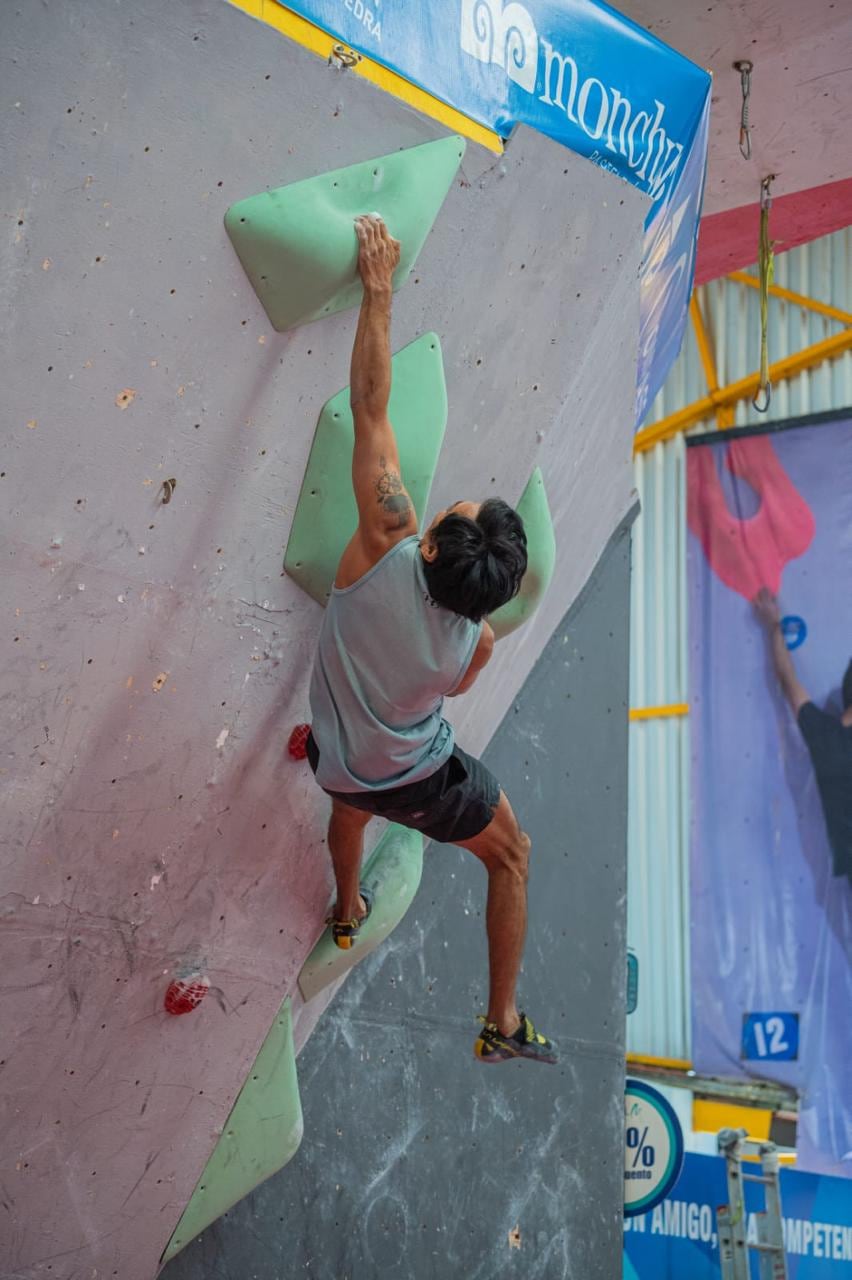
154	825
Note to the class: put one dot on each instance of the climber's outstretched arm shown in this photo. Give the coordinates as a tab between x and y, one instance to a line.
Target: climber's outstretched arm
386	512
766	608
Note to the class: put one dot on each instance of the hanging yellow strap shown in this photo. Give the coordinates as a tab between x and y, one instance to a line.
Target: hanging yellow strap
766	272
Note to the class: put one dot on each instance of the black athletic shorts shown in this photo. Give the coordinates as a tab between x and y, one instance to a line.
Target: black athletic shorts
455	803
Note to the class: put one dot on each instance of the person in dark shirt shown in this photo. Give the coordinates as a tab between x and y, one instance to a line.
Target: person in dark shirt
828	738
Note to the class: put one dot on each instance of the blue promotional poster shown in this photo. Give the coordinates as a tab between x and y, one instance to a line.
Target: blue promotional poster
589	78
677	1240
771	819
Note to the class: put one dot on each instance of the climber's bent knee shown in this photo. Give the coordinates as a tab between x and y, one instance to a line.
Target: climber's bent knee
502	843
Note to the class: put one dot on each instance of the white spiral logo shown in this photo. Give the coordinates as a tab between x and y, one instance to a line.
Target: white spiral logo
506	36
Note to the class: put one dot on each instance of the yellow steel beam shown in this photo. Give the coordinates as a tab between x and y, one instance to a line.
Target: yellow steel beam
709	1116
781	371
653	713
799	299
323	43
643	1060
702	338
724	414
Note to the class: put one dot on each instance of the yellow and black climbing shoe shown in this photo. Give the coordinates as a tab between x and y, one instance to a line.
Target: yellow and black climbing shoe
526	1042
345	932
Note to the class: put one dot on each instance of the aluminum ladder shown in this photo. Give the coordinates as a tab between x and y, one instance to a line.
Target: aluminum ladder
731	1217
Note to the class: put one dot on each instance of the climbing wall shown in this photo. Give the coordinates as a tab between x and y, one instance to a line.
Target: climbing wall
429	1164
157	432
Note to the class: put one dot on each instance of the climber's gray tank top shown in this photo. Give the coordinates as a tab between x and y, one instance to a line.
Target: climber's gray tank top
387	655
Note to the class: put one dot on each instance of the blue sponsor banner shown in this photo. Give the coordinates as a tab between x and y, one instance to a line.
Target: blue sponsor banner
678	1239
580	73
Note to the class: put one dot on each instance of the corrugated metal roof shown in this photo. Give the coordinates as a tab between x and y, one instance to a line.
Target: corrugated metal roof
658	861
822	270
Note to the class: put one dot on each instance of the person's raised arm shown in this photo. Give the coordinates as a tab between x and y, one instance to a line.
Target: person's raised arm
385	511
767	610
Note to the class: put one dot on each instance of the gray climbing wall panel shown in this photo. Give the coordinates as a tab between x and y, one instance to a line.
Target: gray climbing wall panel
154	659
427	1161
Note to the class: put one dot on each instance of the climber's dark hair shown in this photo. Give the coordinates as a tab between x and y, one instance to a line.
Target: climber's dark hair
480	563
846	687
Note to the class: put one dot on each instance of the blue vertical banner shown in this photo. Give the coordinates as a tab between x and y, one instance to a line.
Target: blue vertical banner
770	869
584	75
668	269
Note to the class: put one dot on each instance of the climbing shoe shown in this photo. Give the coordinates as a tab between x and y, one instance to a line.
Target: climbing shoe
526	1042
345	932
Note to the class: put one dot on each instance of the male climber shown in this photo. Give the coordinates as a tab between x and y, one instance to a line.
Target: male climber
405	627
828	739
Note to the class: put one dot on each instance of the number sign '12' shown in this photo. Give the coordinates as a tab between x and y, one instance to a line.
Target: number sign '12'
771	1037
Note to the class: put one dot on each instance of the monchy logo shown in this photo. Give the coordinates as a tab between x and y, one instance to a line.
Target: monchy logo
505	34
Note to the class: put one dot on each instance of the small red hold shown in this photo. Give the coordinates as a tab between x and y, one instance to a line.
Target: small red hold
186	994
297	746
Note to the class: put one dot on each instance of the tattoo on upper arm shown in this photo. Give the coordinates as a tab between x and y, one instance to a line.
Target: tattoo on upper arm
392	498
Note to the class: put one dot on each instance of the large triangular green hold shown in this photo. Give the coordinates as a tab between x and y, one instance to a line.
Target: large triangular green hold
261	1135
534	510
297	244
393	873
326	515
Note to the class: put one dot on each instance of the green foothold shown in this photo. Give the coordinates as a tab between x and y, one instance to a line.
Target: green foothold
326	515
297	244
541	552
393	872
261	1135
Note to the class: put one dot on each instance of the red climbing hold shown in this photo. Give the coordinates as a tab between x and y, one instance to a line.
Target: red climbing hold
186	994
298	739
